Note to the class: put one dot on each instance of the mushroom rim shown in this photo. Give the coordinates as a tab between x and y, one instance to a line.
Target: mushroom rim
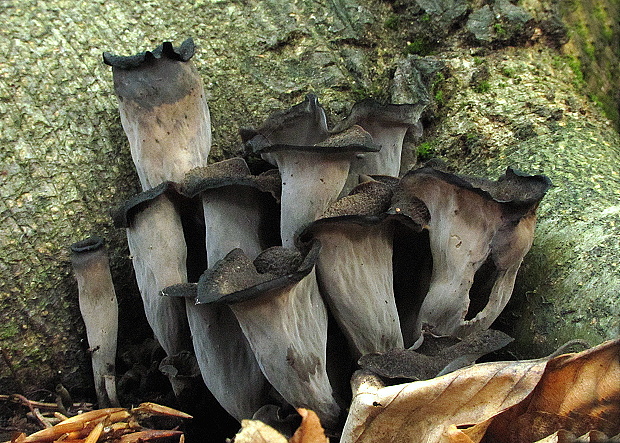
259	290
182	53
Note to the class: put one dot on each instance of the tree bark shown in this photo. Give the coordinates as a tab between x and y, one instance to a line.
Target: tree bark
500	95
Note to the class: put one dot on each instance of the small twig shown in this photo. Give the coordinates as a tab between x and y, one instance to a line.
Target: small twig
44	421
17	398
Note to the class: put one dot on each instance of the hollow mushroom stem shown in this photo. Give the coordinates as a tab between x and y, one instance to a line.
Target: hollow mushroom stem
387	125
158	252
473	222
234	212
354	268
99	310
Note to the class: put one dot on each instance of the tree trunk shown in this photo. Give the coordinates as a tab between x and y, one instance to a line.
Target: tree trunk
500	93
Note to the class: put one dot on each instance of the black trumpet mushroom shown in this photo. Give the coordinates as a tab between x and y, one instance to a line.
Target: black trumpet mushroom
279	308
313	167
475	224
387	124
166	119
99	310
163	111
235	205
354	268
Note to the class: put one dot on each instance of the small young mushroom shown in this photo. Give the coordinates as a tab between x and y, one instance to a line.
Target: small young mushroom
163	111
279	308
387	125
354	268
474	222
99	310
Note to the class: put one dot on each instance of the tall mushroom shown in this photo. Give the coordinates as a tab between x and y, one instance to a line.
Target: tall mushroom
238	207
163	111
166	118
234	216
278	305
354	268
387	124
100	313
158	252
474	222
313	174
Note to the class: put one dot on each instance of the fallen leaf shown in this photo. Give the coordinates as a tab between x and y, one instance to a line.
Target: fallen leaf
577	392
310	430
255	431
424	411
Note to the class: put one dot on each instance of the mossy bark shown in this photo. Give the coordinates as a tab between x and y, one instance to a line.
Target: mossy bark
65	160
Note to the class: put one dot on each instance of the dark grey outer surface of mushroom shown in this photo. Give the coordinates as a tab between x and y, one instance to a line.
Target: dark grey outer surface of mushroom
313	177
99	310
237	207
234	211
163	111
313	165
473	222
166	119
284	319
158	253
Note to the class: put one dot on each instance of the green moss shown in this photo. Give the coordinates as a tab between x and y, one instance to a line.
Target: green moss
439	98
575	65
419	46
508	72
436	87
500	31
426	150
391	22
482	87
8	331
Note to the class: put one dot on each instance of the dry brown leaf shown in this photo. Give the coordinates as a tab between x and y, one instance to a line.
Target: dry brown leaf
310	429
577	392
424	411
255	431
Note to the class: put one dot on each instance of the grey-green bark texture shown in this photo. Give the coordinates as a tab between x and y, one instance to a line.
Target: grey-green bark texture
507	84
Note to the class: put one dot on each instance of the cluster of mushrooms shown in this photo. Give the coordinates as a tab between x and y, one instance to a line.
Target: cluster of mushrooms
279	282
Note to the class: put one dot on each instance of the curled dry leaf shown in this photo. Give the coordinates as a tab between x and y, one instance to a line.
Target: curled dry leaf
310	430
497	402
255	431
426	410
577	392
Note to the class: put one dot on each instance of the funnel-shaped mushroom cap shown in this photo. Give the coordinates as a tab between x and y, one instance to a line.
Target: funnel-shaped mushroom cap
304	124
354	268
474	222
240	209
100	313
313	176
163	111
278	305
387	124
